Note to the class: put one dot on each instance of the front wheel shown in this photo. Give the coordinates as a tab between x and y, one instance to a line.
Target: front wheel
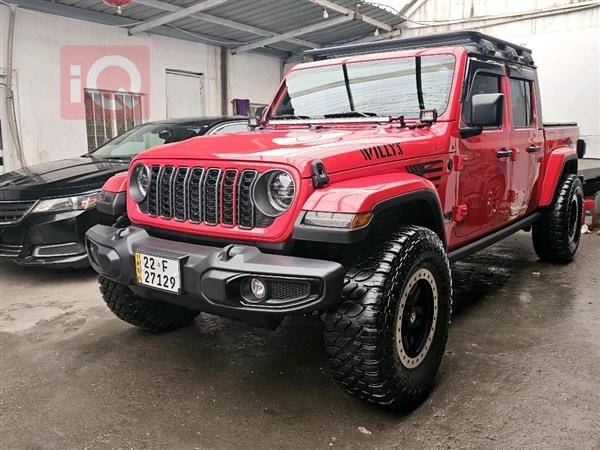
556	235
386	339
147	314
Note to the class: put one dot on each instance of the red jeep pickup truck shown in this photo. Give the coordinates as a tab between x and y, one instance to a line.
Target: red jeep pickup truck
374	166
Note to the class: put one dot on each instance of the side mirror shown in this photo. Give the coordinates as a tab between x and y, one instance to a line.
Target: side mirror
259	111
164	134
254	122
487	110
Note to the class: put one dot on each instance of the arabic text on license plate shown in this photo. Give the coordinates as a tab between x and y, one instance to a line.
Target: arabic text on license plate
158	272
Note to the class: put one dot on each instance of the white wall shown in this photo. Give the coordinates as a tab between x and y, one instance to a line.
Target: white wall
566	49
38	41
243	65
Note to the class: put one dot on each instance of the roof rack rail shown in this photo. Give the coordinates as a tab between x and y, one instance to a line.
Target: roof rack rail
474	42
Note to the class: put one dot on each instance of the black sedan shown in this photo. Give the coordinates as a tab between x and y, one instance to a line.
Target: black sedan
46	209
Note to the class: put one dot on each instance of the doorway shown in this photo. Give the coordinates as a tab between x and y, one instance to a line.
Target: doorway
184	94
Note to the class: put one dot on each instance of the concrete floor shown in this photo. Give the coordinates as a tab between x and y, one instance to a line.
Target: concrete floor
522	369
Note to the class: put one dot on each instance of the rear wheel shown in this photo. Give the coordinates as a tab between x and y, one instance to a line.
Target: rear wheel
146	314
556	235
386	339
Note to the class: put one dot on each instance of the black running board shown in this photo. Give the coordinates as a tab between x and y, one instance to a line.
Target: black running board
491	239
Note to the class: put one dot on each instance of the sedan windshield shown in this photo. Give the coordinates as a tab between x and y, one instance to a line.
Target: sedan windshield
145	136
390	87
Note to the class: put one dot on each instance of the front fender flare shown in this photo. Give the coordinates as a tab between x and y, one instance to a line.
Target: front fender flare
373	193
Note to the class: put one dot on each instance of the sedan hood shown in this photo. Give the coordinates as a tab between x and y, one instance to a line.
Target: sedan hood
57	178
340	149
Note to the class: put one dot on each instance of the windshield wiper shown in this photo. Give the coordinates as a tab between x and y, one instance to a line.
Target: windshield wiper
349	114
288	117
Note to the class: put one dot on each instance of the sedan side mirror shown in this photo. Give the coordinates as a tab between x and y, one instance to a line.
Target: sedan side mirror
487	110
164	134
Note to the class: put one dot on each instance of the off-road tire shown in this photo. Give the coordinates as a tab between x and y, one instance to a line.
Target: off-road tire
556	235
147	314
361	333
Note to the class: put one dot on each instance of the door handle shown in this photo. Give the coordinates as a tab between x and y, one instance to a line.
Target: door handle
504	153
533	148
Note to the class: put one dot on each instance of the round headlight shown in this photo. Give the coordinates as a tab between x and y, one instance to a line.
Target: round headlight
281	190
139	182
274	192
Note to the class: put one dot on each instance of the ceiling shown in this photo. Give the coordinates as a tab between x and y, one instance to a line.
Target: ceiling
288	26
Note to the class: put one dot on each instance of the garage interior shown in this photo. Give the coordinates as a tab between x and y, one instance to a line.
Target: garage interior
522	363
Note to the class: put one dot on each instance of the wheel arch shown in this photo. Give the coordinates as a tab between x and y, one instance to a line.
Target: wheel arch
561	162
423	208
414	200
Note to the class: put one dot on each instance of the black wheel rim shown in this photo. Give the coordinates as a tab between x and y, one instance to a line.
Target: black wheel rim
417	318
573	218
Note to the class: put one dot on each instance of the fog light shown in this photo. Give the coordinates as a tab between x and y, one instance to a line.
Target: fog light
258	288
254	290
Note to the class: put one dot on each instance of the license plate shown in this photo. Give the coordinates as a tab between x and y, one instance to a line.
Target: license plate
158	272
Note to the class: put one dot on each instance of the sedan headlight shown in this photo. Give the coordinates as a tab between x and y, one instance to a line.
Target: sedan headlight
139	182
75	203
274	192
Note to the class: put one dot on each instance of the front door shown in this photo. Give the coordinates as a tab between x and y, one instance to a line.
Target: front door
484	180
526	143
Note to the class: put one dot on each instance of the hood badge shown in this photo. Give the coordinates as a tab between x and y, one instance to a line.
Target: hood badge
381	152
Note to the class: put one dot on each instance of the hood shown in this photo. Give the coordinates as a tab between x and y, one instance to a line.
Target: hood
57	178
339	149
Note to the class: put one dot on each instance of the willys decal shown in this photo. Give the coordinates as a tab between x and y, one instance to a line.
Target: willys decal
381	151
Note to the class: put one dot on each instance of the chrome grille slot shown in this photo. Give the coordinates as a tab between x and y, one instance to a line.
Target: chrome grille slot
229	194
13	212
180	193
166	191
152	207
10	250
245	206
194	196
212	187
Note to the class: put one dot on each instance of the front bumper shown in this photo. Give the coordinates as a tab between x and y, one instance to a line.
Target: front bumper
211	276
53	240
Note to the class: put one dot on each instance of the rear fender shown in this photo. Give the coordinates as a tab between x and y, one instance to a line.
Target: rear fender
373	193
562	161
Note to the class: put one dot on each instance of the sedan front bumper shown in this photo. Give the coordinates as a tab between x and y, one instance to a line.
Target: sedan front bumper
212	278
52	239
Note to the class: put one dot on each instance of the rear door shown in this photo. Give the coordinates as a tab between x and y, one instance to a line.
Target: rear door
484	180
526	140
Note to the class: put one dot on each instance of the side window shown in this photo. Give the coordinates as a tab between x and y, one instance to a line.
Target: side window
483	83
238	127
520	99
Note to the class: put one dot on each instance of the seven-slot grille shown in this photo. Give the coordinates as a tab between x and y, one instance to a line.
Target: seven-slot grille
203	195
12	212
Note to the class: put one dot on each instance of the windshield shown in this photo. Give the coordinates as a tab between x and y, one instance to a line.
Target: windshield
391	87
145	136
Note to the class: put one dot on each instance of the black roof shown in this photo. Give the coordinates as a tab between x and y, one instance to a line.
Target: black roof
474	42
